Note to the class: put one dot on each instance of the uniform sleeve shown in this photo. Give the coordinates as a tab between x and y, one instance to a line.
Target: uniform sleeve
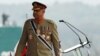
22	41
55	40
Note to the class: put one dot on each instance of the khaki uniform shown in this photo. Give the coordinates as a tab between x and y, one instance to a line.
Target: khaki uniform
48	30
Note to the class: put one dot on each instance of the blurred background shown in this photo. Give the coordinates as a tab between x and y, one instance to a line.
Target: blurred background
83	14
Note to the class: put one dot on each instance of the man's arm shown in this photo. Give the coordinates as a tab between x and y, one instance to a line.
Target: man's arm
55	40
22	42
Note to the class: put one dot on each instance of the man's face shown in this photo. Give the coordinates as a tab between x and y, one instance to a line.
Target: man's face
38	13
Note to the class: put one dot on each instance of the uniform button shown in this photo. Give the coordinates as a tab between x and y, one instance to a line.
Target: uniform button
30	37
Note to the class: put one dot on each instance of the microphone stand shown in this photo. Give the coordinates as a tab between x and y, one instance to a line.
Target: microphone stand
82	44
72	30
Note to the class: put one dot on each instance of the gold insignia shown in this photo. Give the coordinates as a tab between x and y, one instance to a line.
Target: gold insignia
49	33
43	36
48	38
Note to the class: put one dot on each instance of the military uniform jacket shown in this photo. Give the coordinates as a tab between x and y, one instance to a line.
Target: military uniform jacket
35	47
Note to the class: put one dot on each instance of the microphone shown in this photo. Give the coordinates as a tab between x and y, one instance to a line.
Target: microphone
61	20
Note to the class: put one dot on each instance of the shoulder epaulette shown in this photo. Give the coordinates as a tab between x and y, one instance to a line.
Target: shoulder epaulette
50	21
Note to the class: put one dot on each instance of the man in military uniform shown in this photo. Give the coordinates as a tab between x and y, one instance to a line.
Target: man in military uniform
47	29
